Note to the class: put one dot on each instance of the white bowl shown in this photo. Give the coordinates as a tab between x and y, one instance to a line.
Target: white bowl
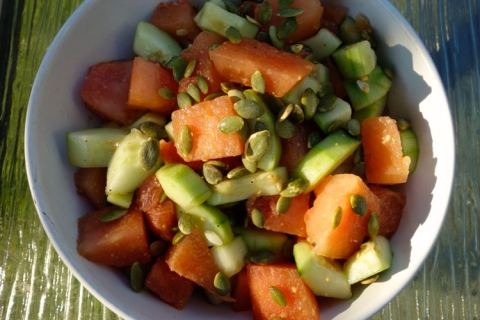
103	30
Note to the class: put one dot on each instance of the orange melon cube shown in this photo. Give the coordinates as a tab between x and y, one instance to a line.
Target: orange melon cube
208	141
382	149
391	209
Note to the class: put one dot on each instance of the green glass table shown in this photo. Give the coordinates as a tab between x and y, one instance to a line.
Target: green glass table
34	282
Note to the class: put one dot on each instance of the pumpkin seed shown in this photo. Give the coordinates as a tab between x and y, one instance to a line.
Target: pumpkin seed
113	215
294	188
283	204
233	35
213	238
185	223
214	95
284	129
263	36
253	21
245	132
157	248
265	12
337	217
326	88
181	32
246	10
171	62
257	145
358	204
358	155
237	172
289	12
353	127
275	104
148	153
310	58
185	140
136	277
403	124
222	284
285	112
277	296
190	68
258	218
282	4
334	126
166	93
276	41
367	36
373	225
313	138
297	47
227	86
363	86
217	163
231	7
230	124
309	101
193	92
248	109
212	174
258	82
153	130
262	257
359	170
327	102
370	280
235	95
184	100
179	67
389	73
251	166
287	28
202	84
297	115
177	237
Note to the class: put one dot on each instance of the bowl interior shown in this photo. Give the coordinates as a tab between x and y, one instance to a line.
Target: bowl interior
103	30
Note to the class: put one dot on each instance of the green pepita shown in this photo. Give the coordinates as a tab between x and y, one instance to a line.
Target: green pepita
253	21
297	48
389	73
222	284
113	215
257	145
217	163
265	12
263	36
248	109
227	86
359	170
258	82
358	155
184	100
282	4
289	12
358	204
260	126
294	188
251	166
334	126
287	27
157	248
148	153
258	218
212	174
370	280
213	95
177	237
326	88
337	217
313	138
190	68
202	84
231	7
237	172
185	140
403	124
276	41
353	127
283	204
285	129
373	225
233	35
235	95
185	223
262	257
278	296
246	10
297	115
136	277
193	92
166	93
213	238
285	112
230	124
153	130
327	102
309	101
245	131
179	67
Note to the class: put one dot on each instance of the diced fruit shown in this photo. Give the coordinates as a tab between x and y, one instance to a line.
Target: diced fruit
374	257
168	285
382	149
391	209
147	79
290	222
333	228
176	18
192	259
300	302
324	276
91	183
296	147
281	70
241	293
148	193
208	141
169	154
332	17
105	91
120	242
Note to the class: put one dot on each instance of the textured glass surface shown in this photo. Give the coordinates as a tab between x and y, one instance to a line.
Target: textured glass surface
34	282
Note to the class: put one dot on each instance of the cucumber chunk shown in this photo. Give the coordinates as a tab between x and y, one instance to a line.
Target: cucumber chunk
261	239
374	110
341	111
154	44
324	276
120	199
216	19
230	258
325	157
295	94
148	117
126	172
355	60
93	148
348	31
323	44
410	148
373	257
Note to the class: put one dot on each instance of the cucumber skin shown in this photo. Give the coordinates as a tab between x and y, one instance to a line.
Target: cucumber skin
355	60
410	148
374	110
230	257
340	112
323	44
